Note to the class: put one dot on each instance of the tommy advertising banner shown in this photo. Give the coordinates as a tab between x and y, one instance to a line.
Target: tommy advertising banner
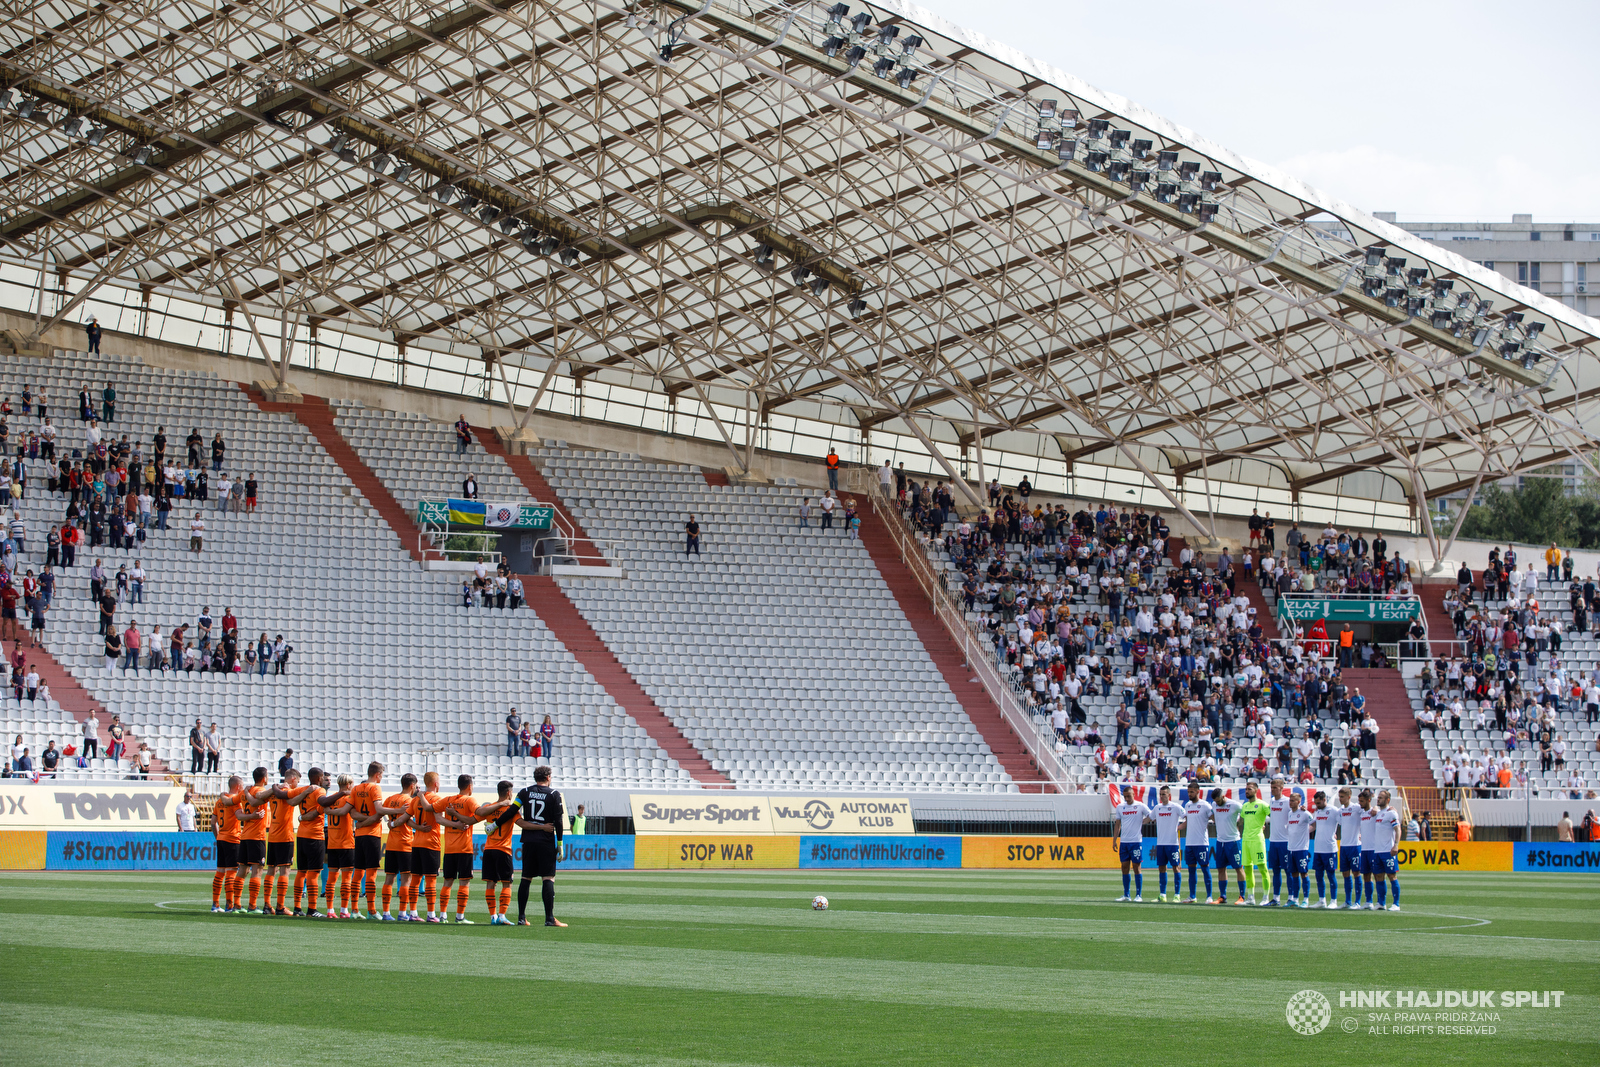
746	815
68	805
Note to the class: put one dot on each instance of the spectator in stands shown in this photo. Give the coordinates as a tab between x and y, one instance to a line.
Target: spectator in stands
50	759
113	647
131	641
197	747
141	762
194	442
184	813
213	749
514	589
280	656
118	734
91	736
92	333
224	492
513	733
691	532
263	653
40	606
16	752
803	514
285	763
251	488
469	487
219	450
197	531
108	403
463	435
833	469
827	504
547	737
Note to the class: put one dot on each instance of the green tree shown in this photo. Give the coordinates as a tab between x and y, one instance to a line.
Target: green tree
1538	512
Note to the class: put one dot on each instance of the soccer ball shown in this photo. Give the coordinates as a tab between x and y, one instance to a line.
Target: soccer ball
819	903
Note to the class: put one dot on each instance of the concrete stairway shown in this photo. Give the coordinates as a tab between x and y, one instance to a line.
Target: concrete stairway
1399	741
539	489
946	654
316	416
568	624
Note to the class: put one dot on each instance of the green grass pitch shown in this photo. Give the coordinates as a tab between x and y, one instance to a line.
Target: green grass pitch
958	967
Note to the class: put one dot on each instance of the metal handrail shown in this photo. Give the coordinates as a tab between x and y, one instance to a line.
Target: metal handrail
979	659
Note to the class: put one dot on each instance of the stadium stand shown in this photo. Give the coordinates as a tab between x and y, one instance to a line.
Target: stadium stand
1084	583
422	676
805	668
1535	695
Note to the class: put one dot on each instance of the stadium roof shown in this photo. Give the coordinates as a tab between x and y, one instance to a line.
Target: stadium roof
597	189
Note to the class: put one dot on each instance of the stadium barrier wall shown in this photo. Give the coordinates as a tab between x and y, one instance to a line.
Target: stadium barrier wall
120	850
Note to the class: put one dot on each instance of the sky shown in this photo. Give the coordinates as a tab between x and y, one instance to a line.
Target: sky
1466	111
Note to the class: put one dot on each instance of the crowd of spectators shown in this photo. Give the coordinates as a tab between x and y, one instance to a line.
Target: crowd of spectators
215	645
499	588
1085	602
1507	680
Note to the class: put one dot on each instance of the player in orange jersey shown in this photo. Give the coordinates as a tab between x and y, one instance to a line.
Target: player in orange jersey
457	815
397	854
253	837
425	847
225	824
280	839
341	851
501	815
311	852
365	800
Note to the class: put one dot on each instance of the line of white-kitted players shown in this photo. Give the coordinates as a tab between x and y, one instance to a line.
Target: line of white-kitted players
1358	839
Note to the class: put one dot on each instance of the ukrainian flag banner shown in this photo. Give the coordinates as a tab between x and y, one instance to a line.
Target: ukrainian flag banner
466	512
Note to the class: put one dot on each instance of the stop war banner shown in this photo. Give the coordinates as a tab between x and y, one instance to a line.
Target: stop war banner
748	815
70	805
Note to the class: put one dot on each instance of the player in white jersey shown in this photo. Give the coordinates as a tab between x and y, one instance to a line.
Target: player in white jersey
1197	840
1167	815
1297	840
1386	849
1349	845
1325	853
1130	817
1225	810
1368	813
1277	844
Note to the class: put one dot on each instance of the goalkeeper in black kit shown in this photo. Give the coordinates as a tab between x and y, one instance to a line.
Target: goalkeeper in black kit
543	816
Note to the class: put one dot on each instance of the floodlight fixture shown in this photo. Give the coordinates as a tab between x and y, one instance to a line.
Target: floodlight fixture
838	12
1141	149
5	97
1188	169
529	240
1534	330
1098	127
549	245
856	307
488	213
1210	181
883	67
1097	161
1208	211
800	274
96	135
443	192
819	286
1069	120
910	45
763	255
1167	192
25	107
468	202
855	56
71	126
1374	255
141	155
1119	170
1066	149
886	35
1188	202
1047	140
860	23
401	172
831	46
569	256
1166	161
509	222
905	76
378	163
1047	110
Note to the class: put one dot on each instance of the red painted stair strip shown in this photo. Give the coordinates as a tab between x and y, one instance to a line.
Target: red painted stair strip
1399	740
315	415
78	702
534	483
714	476
946	654
564	619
